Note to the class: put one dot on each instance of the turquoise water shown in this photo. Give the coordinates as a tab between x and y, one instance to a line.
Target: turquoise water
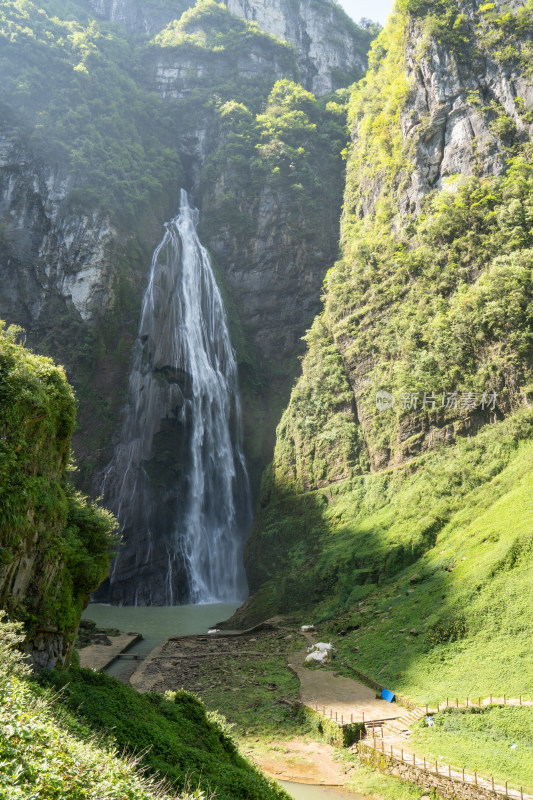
156	623
301	791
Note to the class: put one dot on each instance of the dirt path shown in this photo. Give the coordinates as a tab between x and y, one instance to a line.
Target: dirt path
332	695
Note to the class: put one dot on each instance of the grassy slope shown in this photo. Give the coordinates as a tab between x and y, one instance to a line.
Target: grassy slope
177	738
503	741
45	752
470	604
438	302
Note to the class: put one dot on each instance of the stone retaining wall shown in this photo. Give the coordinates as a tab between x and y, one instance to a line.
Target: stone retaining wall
441	784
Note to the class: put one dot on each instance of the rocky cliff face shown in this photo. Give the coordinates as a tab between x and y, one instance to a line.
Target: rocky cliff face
330	46
421	344
74	275
139	18
462	114
260	155
48	249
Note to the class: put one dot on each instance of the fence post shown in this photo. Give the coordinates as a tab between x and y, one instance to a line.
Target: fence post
424	762
490	701
463	774
342	719
414	760
402	755
335	716
475	778
504	699
492	779
436	766
457	703
449	771
480	702
506	788
520	699
351	718
467	702
446	702
382	746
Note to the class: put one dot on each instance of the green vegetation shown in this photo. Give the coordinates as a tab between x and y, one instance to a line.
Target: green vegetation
373	784
496	27
73	92
281	157
496	741
406	532
209	27
80	94
259	698
42	517
292	149
173	737
45	752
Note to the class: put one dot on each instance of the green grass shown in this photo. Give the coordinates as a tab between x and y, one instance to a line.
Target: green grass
470	603
372	784
260	699
482	741
175	737
45	752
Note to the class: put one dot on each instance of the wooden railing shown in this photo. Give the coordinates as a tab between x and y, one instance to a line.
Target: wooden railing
422	764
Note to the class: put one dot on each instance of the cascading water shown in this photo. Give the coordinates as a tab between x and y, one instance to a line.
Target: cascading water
178	481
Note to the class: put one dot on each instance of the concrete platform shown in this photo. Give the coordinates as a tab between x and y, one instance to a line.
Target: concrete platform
100	656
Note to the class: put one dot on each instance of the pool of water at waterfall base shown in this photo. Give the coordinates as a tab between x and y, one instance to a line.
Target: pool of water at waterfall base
156	623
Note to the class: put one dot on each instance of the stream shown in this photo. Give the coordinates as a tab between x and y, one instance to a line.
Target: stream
302	791
156	623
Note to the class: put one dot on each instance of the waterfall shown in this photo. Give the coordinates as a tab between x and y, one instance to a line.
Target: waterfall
178	481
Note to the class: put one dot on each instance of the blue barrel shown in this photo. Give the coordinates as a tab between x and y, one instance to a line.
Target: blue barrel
388	696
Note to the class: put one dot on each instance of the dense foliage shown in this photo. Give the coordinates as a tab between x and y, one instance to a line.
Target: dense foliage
290	150
73	90
175	736
42	517
46	752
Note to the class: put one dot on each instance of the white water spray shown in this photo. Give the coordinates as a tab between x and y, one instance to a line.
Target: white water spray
183	539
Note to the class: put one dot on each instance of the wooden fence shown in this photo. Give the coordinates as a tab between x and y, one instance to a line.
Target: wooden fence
424	765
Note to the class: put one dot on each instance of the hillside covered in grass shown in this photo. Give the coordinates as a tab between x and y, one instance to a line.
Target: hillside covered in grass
398	505
99	738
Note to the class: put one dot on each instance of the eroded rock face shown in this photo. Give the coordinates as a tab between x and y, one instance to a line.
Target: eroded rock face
275	280
175	72
48	248
138	17
327	41
450	114
331	48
